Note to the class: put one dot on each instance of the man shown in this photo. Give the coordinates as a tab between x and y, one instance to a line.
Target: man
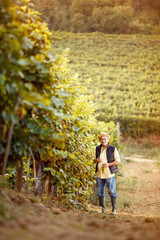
107	159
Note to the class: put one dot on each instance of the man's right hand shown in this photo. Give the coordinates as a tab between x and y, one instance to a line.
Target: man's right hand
99	160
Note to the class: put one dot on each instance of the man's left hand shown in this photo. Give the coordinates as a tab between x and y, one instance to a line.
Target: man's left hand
105	165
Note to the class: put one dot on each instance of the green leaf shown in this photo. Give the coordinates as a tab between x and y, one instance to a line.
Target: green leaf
58	102
23	62
75	128
63	93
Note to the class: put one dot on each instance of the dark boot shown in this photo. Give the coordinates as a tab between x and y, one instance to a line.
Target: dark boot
102	203
114	204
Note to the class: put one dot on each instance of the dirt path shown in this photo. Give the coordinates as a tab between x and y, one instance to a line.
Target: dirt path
143	179
138	213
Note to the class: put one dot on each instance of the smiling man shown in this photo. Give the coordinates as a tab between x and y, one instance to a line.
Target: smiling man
106	159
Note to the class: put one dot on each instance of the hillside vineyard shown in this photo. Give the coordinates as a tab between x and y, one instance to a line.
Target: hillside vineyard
124	73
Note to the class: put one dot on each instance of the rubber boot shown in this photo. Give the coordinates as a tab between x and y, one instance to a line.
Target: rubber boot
102	204
114	204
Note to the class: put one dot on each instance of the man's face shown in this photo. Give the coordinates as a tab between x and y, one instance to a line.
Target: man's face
104	141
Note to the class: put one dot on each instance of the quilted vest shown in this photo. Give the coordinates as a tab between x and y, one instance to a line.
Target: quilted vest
110	157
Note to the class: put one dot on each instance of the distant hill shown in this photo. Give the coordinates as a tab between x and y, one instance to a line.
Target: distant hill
125	76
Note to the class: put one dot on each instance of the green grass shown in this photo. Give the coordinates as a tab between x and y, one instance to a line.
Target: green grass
126	204
147	170
151	152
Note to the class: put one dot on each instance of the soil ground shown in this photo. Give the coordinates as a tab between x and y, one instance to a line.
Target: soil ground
138	213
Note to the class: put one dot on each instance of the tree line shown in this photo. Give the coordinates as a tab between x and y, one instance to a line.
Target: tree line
107	16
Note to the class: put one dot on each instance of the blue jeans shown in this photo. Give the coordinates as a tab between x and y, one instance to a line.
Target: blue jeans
111	185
